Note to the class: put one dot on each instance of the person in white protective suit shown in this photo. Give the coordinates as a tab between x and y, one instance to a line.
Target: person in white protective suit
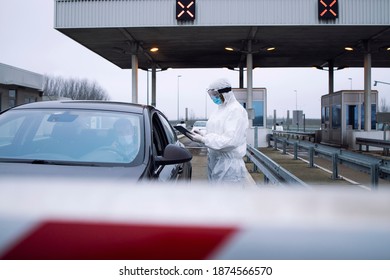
225	137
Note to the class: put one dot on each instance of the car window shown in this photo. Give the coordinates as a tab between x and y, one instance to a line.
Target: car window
171	135
159	137
83	136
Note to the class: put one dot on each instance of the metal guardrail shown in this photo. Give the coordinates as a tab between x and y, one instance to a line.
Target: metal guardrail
273	172
368	164
310	135
373	142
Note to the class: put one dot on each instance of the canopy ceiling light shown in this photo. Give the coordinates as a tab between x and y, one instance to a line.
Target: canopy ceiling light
268	49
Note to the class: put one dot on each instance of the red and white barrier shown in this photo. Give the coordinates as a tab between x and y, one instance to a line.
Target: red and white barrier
73	220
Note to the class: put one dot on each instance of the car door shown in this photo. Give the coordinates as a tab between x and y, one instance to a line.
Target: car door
162	136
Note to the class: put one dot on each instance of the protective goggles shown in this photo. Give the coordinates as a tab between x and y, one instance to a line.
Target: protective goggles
217	92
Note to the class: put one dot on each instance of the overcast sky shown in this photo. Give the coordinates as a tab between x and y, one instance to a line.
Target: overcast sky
29	41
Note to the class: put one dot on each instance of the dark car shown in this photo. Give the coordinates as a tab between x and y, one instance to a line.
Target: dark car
92	139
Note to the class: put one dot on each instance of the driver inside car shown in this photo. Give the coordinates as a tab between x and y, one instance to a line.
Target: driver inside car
124	143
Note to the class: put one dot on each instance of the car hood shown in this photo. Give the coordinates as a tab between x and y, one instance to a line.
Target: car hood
73	171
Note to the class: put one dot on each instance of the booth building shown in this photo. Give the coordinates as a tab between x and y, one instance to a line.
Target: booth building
256	136
342	116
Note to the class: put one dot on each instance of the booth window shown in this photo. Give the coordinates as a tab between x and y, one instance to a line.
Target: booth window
258	107
336	116
351	116
324	114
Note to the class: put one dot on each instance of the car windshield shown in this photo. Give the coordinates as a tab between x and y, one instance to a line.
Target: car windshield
72	136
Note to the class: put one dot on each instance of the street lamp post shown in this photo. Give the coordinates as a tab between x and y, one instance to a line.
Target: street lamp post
178	94
351	82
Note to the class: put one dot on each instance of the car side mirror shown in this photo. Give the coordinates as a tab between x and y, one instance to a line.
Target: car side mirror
173	154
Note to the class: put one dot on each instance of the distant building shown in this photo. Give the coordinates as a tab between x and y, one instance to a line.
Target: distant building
19	86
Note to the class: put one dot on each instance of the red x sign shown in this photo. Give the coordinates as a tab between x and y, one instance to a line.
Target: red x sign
328	9
185	10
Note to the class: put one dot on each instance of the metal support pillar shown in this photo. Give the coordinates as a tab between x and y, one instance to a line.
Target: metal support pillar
256	138
134	78
134	72
241	85
147	87
249	70
374	175
153	85
335	170
274	124
331	76
295	150
367	87
311	157
288	120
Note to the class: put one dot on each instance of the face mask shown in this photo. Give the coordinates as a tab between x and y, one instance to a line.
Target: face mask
216	95
217	100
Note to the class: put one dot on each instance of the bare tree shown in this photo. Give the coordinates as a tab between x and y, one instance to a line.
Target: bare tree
75	89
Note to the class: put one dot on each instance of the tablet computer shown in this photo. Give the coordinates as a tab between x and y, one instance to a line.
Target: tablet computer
184	130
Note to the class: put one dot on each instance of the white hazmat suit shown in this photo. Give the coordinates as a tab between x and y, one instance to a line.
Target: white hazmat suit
226	138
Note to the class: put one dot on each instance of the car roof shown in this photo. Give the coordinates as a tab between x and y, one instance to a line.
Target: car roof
87	104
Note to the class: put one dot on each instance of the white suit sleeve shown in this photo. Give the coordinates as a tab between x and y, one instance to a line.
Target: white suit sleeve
233	134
